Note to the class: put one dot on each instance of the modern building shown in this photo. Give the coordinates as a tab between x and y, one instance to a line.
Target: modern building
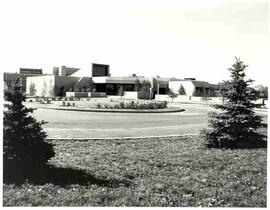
20	78
74	80
194	87
53	85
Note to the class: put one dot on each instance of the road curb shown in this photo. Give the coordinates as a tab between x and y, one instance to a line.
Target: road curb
122	138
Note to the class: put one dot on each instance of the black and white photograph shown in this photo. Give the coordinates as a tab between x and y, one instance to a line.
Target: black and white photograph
134	103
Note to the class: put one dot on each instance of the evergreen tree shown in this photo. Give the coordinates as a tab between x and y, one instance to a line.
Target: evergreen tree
182	90
25	151
137	85
171	94
120	90
236	125
144	92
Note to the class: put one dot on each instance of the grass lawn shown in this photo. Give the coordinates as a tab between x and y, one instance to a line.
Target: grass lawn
150	172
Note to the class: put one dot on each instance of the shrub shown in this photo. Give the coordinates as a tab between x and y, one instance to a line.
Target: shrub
98	105
151	105
236	125
132	104
127	105
116	106
24	146
122	105
64	103
163	104
143	106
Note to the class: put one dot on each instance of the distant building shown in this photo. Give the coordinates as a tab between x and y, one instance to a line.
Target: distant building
76	80
68	71
194	87
53	85
20	78
30	71
100	70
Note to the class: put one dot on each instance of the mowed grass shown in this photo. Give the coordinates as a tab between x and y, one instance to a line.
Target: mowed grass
175	171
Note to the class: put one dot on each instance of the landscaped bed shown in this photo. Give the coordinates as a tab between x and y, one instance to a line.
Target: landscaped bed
107	105
103	103
175	171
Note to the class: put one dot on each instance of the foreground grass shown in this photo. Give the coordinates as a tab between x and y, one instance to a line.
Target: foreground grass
161	172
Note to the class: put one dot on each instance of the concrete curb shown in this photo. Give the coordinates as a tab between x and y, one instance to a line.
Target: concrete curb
116	110
122	138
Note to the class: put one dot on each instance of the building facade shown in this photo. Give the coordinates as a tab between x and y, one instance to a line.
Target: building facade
193	87
68	79
20	78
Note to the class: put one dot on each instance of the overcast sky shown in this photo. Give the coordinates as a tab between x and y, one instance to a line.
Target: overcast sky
167	38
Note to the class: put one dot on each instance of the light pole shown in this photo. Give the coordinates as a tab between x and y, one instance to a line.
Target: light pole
158	91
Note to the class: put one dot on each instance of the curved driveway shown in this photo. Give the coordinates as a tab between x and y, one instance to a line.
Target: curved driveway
73	124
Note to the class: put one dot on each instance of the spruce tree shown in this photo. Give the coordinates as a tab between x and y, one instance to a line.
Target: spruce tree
236	125
24	146
172	94
182	90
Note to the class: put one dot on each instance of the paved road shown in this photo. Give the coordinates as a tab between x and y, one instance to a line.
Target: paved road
71	124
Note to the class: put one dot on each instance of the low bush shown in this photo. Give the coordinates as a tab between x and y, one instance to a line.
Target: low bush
122	105
98	105
134	105
117	106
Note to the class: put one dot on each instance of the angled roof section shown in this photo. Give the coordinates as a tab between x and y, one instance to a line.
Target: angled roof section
200	83
81	73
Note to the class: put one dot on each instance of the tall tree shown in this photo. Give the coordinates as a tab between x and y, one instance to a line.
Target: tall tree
120	90
24	147
236	125
137	85
144	92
